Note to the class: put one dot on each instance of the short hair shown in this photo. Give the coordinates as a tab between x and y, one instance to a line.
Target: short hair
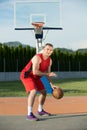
48	44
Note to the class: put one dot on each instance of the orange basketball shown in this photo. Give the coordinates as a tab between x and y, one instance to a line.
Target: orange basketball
58	93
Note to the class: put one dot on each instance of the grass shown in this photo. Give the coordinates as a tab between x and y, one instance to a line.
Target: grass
12	89
71	87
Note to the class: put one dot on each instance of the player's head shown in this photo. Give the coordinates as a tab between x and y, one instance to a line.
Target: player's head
48	49
48	44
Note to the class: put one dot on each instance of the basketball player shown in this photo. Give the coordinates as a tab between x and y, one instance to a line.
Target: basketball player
38	66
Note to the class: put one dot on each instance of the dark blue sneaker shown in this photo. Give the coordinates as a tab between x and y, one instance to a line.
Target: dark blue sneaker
32	117
43	113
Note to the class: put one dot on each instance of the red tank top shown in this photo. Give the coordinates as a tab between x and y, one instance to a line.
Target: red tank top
44	63
43	66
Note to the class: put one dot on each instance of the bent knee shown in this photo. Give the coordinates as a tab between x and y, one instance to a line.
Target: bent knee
44	92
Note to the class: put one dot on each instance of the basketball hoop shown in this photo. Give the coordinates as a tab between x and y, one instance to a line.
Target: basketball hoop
38	24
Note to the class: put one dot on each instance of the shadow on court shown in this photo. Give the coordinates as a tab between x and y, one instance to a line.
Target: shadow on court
54	122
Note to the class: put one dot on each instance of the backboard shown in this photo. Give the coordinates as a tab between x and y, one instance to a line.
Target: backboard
28	11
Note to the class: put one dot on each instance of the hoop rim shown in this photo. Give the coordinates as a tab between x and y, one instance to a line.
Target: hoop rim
38	24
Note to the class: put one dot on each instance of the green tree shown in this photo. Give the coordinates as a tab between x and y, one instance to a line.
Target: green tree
1	58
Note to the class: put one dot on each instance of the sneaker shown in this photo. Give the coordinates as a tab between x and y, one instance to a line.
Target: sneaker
32	117
43	113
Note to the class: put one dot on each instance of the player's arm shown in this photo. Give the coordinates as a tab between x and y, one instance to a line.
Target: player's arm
49	70
53	74
35	67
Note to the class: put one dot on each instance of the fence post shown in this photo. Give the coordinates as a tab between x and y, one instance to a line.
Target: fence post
4	64
69	66
17	65
58	65
79	65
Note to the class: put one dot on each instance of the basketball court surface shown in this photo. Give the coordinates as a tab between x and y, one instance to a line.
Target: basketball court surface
69	113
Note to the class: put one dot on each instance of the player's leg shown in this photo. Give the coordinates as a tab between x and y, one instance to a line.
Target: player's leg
31	99
30	87
42	98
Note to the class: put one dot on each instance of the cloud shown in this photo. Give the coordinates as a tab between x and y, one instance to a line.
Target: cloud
9	34
3	1
6	13
82	44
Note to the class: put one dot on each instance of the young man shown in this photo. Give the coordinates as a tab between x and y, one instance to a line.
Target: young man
38	66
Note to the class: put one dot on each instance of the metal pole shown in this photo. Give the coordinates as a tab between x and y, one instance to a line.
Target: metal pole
38	45
79	65
4	64
17	65
58	65
39	37
69	66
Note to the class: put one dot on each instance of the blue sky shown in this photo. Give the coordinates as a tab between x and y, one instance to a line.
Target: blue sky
74	23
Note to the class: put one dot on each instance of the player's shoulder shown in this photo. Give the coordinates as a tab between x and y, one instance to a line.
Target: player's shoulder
36	57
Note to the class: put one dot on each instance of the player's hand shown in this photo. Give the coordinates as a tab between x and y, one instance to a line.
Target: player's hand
53	86
52	74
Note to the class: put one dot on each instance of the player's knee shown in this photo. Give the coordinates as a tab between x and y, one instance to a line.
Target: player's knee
44	92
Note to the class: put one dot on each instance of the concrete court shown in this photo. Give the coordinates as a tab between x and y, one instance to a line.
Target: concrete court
70	114
55	122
